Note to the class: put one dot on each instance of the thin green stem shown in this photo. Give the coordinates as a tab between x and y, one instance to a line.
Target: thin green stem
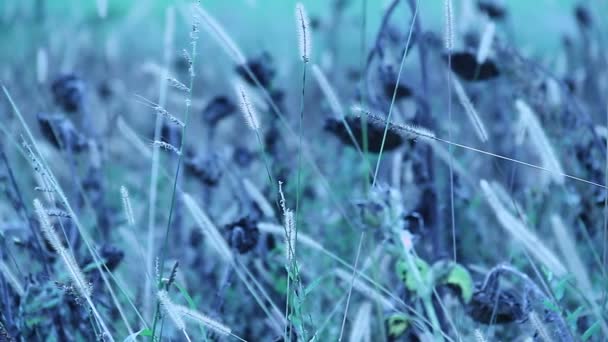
175	179
390	110
451	154
352	283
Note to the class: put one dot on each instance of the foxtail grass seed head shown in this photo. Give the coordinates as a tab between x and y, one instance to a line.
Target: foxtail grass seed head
567	245
258	198
405	130
208	228
157	267
44	183
303	26
166	146
160	111
479	336
187	58
361	330
177	84
519	231
290	234
52	237
126	205
171	310
486	42
478	125
46	227
251	117
449	25
36	165
328	90
58	213
205	320
173	274
540	140
289	226
282	201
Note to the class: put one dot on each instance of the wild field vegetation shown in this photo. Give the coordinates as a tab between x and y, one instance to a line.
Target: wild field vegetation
347	170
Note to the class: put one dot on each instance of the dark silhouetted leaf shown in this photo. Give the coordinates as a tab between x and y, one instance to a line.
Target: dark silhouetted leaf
242	234
217	109
207	169
397	324
68	92
374	134
492	9
583	17
464	64
261	66
502	306
61	132
403	91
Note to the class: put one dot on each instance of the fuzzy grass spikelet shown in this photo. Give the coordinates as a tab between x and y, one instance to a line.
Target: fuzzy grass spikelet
540	140
208	228
303	26
160	111
289	225
251	117
479	336
408	131
172	310
258	197
449	25
567	245
126	205
361	331
290	234
486	42
205	320
167	146
480	128
173	82
518	230
328	90
52	237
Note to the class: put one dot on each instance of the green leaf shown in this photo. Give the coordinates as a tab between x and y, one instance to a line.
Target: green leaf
550	306
573	316
408	277
397	324
460	277
593	329
146	333
560	288
451	273
312	286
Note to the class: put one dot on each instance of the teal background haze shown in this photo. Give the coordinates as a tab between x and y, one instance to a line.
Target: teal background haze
263	24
